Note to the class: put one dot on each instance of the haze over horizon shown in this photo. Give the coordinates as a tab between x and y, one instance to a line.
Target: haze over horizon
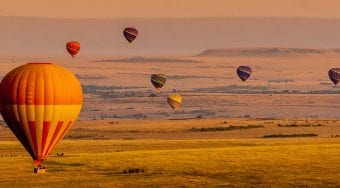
166	26
164	36
171	8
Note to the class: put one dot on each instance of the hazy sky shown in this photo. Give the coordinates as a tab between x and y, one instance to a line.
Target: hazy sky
170	8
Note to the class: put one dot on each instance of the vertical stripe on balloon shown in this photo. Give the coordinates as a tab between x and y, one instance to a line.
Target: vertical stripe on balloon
46	129
54	137
32	128
67	127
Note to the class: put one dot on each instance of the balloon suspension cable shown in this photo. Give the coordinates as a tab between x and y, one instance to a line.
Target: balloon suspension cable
38	163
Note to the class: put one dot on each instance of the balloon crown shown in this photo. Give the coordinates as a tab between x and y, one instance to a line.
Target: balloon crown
39	63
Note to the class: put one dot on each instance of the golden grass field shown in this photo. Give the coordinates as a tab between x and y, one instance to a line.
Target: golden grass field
155	153
179	163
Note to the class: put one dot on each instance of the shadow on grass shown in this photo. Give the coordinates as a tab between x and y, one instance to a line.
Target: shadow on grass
133	171
56	163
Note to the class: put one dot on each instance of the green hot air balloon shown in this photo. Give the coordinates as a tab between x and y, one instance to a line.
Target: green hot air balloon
158	81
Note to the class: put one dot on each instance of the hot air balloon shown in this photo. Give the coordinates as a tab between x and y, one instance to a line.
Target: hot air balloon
158	81
130	34
40	102
73	47
175	100
334	75
244	72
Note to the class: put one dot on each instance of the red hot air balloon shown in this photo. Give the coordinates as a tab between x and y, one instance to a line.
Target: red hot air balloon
40	102
130	34
73	47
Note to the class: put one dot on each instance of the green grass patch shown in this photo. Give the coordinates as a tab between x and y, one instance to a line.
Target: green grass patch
289	135
300	125
229	128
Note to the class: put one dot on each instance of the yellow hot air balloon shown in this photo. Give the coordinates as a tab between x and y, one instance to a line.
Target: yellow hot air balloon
40	102
175	100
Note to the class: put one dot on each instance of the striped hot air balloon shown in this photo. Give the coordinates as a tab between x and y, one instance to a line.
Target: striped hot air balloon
243	72
73	47
40	102
174	100
158	81
130	34
334	75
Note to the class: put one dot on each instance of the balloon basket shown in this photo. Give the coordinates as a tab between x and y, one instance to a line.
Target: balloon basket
39	170
39	167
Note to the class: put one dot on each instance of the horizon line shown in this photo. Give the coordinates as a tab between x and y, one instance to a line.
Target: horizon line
151	18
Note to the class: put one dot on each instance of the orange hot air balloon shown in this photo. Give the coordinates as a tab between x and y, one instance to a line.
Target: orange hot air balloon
40	102
73	47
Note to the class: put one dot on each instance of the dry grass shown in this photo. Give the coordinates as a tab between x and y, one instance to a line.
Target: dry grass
178	163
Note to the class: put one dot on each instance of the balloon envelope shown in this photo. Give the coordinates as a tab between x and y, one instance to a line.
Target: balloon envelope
244	72
158	81
334	75
174	100
73	47
130	34
40	102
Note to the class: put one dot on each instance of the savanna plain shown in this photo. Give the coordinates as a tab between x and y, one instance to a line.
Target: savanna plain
281	128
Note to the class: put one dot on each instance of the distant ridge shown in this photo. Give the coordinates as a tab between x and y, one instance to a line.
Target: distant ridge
265	52
138	59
